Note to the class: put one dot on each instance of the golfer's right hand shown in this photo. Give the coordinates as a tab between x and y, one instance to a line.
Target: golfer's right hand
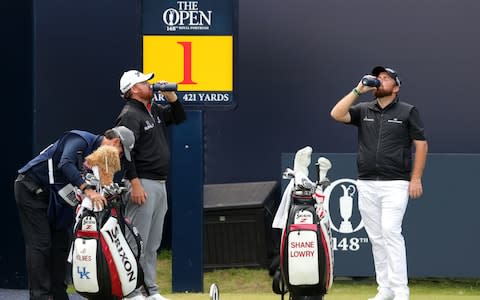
138	194
363	88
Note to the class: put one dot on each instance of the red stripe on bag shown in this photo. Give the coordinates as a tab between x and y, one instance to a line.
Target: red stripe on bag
114	278
326	250
87	234
284	237
312	227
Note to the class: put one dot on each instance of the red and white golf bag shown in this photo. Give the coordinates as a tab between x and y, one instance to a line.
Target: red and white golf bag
306	254
104	264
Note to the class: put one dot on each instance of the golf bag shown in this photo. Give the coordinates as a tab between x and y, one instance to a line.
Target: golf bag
306	257
104	266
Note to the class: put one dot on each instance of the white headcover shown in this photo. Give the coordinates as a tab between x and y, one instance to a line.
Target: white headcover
301	162
324	165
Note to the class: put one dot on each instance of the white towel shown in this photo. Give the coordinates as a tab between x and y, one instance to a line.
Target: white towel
281	216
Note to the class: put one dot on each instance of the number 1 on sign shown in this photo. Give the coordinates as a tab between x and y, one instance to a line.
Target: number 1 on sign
187	63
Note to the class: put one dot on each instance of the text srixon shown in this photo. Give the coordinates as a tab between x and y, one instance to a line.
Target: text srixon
114	236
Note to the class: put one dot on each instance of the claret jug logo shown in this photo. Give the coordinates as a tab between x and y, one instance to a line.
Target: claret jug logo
341	203
340	197
187	16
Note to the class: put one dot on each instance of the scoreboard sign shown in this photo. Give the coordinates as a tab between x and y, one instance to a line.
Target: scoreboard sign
191	43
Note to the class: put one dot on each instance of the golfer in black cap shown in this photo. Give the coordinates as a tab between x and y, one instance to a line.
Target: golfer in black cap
387	175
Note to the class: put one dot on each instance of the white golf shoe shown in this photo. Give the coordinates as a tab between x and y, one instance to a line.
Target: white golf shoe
383	294
138	297
156	297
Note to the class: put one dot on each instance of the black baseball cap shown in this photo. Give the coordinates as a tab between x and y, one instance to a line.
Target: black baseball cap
391	72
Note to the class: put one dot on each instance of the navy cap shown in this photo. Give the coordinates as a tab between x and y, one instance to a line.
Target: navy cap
391	72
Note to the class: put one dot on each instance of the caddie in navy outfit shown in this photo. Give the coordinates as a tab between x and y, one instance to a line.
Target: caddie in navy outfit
387	175
45	218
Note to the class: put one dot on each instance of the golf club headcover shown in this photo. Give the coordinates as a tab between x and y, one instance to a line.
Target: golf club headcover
302	161
323	165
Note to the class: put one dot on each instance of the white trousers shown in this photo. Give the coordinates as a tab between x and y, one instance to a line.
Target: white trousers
382	205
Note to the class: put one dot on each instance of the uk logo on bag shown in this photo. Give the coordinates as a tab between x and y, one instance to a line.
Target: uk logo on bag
84	265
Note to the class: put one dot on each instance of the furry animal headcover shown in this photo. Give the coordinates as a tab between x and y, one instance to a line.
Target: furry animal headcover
107	159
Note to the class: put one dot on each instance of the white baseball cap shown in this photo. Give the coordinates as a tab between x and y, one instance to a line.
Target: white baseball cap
132	77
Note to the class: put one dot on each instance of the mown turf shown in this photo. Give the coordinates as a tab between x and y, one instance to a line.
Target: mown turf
255	284
250	296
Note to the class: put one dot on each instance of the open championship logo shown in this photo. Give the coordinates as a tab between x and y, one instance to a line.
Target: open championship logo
341	204
340	199
187	16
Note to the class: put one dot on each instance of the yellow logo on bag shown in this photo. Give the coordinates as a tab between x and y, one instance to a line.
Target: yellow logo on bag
196	63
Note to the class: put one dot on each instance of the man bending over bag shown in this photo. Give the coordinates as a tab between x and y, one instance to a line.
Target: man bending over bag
46	217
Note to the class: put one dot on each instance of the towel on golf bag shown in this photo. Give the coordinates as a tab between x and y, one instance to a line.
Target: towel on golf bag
281	215
305	252
103	263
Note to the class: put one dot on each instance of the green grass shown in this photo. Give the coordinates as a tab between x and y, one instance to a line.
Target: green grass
255	284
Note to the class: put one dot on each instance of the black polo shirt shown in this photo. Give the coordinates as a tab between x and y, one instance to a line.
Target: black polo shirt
385	139
151	153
